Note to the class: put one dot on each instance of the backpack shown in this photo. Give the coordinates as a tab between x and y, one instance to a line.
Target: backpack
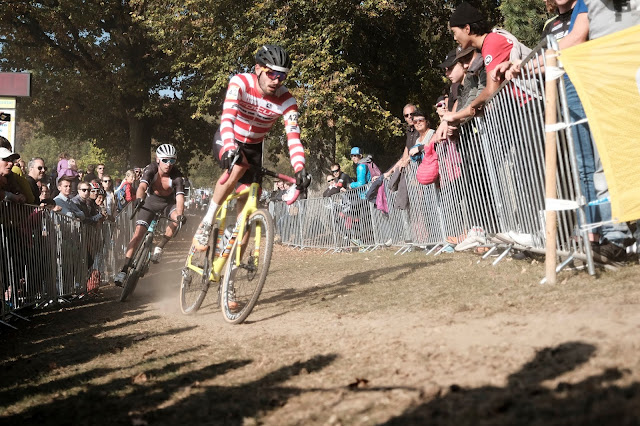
519	51
374	170
120	197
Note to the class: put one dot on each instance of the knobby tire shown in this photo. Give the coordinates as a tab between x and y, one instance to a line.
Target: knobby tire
194	287
141	259
248	279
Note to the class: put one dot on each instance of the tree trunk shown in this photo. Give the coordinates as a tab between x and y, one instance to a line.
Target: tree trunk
139	141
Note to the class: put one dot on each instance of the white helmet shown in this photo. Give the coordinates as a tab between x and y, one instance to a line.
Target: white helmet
166	151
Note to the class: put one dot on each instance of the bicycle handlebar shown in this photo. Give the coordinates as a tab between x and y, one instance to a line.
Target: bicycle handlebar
160	216
236	162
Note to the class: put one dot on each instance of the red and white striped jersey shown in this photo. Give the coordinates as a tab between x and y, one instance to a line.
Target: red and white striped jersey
247	116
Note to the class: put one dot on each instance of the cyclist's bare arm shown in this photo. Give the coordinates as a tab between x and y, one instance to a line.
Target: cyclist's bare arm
141	193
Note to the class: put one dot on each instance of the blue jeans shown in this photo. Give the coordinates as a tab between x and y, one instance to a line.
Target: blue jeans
586	153
593	182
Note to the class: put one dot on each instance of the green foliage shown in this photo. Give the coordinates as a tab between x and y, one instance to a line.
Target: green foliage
97	74
524	19
35	143
100	68
355	63
202	170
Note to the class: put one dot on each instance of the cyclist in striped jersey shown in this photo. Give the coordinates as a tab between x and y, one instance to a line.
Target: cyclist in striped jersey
252	105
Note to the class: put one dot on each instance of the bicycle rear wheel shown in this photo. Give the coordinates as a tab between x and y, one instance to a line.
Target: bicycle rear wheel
140	262
243	283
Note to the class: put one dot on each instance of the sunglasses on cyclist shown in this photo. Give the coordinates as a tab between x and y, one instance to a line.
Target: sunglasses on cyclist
169	160
276	75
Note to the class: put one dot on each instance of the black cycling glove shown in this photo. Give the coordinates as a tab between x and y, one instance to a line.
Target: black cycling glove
138	203
227	158
181	219
303	179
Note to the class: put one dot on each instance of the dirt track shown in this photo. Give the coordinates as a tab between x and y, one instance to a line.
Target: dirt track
364	338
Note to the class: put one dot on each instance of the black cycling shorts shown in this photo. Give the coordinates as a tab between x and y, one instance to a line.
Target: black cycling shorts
156	204
252	152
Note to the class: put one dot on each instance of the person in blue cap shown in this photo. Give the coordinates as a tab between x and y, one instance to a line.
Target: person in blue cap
363	176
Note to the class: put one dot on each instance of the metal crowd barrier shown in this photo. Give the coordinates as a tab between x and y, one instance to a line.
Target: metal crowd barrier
45	256
491	181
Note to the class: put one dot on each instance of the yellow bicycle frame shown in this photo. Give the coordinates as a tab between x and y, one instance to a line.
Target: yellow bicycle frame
251	205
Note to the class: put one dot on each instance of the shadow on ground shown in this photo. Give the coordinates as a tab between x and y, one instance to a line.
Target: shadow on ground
524	400
169	396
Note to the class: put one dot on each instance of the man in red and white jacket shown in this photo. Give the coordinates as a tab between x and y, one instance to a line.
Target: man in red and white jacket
252	105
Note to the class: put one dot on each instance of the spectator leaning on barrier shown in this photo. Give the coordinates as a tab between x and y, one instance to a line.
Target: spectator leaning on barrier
343	180
363	176
11	188
475	76
96	214
412	135
68	207
470	29
109	202
82	201
425	134
37	171
15	178
19	177
332	188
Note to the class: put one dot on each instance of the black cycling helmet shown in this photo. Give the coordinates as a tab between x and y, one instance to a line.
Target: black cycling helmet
274	57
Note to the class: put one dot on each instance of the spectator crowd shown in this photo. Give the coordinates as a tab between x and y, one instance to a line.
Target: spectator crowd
483	59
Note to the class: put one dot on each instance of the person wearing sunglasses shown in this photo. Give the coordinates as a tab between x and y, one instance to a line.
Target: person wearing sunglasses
36	173
252	105
412	135
109	195
161	189
343	180
332	188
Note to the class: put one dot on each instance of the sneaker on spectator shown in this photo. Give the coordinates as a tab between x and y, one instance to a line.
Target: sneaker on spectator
611	251
475	237
157	255
119	278
525	240
456	240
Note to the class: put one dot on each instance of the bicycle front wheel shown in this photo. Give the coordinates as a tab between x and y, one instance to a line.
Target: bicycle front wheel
193	288
243	282
140	262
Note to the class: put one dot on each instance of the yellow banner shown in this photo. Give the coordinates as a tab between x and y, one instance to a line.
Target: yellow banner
606	74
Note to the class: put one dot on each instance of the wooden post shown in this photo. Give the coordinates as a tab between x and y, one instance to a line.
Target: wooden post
550	154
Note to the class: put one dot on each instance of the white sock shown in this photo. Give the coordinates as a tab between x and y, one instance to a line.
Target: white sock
208	217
